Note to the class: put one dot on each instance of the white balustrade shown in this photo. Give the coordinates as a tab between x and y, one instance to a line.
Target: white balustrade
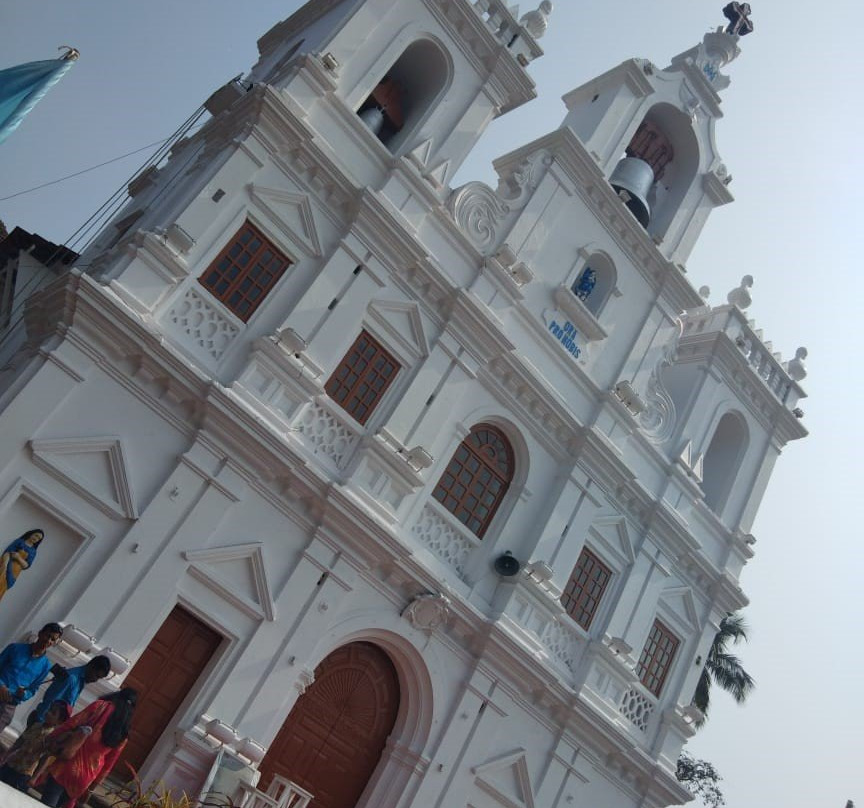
281	793
637	707
502	24
766	364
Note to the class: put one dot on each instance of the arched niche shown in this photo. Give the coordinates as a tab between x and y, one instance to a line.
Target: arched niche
723	458
665	140
407	93
595	282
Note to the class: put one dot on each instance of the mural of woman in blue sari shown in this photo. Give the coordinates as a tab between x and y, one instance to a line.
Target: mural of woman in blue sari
17	557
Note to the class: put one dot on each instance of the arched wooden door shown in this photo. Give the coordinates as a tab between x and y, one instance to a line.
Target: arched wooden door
332	741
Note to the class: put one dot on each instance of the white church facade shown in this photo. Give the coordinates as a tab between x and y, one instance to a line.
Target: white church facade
400	494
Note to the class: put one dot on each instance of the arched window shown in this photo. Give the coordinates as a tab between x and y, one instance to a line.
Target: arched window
400	101
723	458
594	284
477	477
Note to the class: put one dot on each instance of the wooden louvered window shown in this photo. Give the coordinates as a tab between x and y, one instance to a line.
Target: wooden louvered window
585	588
362	377
477	477
657	657
245	271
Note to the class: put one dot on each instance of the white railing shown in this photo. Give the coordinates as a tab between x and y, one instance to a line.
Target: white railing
767	367
505	27
758	353
326	432
637	707
281	793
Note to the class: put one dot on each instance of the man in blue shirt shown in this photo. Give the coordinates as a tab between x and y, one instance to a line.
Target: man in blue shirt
68	684
23	667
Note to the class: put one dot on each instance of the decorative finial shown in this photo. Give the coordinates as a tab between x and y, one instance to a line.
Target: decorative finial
796	367
738	14
71	53
740	296
705	292
536	22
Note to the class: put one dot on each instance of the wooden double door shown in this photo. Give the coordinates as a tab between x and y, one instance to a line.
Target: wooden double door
333	739
163	676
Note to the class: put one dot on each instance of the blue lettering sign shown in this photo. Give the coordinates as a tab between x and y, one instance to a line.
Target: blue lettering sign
566	335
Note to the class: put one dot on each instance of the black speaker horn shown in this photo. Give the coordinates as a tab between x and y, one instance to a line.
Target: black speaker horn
506	565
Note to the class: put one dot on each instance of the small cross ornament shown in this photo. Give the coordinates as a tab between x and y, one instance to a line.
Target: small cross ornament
738	15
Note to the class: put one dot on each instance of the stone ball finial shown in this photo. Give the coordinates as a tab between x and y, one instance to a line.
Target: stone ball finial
704	292
536	22
740	296
796	367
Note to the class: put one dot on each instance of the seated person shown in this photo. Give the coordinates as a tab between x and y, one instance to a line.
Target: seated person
32	744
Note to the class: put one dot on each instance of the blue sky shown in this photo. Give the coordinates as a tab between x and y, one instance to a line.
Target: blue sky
790	137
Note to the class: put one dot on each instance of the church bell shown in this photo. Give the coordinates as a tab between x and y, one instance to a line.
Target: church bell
635	177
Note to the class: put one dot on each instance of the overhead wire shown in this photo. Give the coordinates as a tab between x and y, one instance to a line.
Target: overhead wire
103	214
82	171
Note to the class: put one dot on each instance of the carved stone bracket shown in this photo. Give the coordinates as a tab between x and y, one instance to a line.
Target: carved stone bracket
482	212
304	680
428	611
658	418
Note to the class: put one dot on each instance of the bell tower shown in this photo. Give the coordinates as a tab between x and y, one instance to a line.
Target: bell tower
651	131
426	81
382	99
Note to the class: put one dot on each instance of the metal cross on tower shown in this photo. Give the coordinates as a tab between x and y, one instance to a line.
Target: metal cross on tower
738	14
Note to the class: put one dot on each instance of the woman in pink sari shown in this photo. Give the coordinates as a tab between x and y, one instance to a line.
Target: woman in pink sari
108	720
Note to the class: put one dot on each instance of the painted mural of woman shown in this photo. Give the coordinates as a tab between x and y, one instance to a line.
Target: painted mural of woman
18	557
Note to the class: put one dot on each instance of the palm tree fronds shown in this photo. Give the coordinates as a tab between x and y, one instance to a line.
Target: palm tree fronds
722	668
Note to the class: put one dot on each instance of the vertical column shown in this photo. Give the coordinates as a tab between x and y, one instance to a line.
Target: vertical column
138	583
636	607
473	723
568	525
313	311
693	672
745	499
437	372
463	134
458	370
567	771
279	661
30	402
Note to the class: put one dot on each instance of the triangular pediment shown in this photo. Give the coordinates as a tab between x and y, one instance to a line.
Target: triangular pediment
95	468
439	173
420	154
237	574
403	324
506	779
691	461
292	214
612	534
679	600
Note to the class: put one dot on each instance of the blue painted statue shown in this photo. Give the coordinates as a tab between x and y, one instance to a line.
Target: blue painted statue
18	557
585	283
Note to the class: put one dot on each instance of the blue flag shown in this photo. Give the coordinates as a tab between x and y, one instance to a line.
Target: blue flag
22	87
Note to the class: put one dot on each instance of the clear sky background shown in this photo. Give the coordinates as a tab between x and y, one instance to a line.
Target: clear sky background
791	137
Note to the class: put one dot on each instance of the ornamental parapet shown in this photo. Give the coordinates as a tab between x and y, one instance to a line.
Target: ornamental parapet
749	358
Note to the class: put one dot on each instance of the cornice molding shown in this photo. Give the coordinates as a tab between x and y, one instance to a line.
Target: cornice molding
509	82
589	182
719	352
